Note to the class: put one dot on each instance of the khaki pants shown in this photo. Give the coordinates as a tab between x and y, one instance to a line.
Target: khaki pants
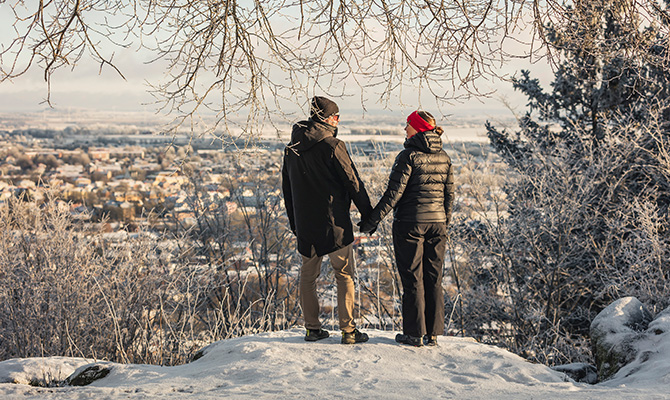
342	262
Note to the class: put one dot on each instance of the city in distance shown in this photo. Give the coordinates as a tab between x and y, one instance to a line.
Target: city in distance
121	168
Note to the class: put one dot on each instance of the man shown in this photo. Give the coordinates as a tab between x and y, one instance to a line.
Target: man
319	182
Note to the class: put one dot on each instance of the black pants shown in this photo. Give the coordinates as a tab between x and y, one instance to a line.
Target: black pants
419	252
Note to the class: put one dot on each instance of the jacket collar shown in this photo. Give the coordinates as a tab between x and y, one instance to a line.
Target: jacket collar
427	142
306	134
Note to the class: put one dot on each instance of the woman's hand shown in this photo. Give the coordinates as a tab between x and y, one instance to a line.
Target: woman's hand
366	226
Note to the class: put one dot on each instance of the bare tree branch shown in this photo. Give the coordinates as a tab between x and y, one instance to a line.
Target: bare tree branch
237	57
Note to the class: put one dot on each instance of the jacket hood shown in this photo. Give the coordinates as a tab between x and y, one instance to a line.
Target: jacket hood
427	142
306	134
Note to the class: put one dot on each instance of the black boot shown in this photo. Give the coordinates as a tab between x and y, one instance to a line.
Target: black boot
431	340
416	341
313	335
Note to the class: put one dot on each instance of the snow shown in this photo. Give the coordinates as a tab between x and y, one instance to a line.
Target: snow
621	312
653	356
282	365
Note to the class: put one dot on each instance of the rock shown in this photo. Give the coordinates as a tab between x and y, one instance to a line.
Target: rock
614	333
201	353
660	324
88	374
579	372
198	355
652	353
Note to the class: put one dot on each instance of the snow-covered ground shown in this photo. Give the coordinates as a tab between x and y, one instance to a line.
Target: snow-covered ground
283	365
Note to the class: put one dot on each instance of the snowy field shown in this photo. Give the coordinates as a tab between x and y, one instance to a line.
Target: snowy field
467	128
283	365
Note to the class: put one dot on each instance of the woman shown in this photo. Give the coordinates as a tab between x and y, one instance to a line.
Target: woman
421	193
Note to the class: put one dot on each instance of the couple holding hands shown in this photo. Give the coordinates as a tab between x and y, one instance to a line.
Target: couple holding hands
319	182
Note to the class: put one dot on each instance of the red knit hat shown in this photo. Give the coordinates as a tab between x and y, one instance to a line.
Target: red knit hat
419	124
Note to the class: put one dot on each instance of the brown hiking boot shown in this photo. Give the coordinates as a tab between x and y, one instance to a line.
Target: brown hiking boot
354	336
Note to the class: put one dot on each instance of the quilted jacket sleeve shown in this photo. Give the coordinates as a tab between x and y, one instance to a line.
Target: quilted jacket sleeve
400	174
449	193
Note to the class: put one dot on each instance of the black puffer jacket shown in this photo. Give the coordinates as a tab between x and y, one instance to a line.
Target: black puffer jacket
319	182
421	185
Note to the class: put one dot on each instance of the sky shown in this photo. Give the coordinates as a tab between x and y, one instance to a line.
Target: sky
282	365
87	86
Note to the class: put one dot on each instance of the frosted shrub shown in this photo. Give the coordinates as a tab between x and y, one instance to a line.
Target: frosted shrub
69	290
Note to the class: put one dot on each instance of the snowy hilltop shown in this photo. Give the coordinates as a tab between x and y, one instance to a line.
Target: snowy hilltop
282	365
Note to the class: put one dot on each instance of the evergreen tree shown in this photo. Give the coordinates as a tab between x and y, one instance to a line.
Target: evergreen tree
589	196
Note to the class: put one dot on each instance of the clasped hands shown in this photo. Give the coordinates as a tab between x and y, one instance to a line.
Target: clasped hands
366	226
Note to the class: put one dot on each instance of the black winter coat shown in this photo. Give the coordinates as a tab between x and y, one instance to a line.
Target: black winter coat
319	181
421	185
